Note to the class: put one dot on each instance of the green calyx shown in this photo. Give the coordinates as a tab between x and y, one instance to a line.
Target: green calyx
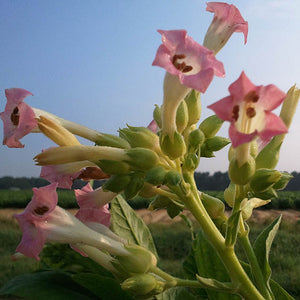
142	158
211	125
110	140
174	147
140	284
241	174
263	179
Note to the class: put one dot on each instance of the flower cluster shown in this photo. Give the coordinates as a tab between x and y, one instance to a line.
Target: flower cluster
158	162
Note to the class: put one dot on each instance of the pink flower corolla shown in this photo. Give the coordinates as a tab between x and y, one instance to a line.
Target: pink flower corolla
93	205
227	20
18	117
248	109
153	126
43	221
181	56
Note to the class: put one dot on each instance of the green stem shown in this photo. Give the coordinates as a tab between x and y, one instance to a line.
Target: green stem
238	276
171	281
256	271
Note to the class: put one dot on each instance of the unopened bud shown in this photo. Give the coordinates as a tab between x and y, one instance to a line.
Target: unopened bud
283	181
195	140
211	125
205	152
263	179
230	194
142	158
140	137
216	143
135	185
139	261
113	167
268	194
194	107
191	162
268	157
173	178
116	183
147	191
174	146
156	175
140	284
214	206
241	174
182	117
159	202
157	115
105	139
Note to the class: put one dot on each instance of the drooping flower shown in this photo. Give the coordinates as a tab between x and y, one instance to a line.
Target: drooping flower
227	20
18	117
248	109
194	64
43	221
93	205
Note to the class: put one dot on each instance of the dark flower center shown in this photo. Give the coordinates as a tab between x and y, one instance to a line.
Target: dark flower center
251	97
14	117
181	66
235	112
41	210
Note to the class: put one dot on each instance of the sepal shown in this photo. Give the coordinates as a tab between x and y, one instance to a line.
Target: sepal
211	125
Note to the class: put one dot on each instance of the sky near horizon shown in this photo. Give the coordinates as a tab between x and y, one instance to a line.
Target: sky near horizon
90	62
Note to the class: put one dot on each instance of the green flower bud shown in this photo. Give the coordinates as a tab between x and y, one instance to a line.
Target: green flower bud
216	143
156	175
116	183
241	174
211	125
268	157
195	140
190	162
253	148
140	284
283	181
157	115
142	158
182	117
173	210
110	140
230	194
147	191
135	185
268	194
113	167
205	152
194	107
172	147
139	261
214	206
231	153
263	179
172	178
140	137
159	202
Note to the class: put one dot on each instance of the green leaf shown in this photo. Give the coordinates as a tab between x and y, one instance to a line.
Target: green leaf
232	228
262	246
177	293
128	225
46	285
204	261
279	292
103	287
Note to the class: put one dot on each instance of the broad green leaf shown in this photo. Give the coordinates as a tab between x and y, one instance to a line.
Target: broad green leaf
204	261
46	285
262	246
128	225
279	292
232	228
103	287
177	293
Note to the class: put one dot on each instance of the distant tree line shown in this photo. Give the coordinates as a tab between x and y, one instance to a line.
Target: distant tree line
217	181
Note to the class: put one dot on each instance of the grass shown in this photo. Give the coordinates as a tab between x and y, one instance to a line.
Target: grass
173	243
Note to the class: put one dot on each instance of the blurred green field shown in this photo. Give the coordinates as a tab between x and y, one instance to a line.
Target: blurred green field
66	199
173	243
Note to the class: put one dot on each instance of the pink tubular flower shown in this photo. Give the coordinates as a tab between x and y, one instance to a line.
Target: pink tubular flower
194	64
93	205
248	108
44	221
18	117
227	20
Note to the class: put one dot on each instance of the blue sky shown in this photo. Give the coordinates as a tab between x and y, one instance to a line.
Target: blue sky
89	61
